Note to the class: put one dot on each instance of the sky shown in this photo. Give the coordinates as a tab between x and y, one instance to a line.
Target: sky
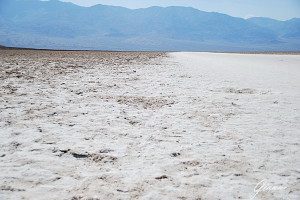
276	9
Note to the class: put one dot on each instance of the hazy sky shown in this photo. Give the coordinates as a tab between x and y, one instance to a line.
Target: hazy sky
278	9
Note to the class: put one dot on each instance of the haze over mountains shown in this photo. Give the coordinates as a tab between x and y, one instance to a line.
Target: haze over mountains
60	25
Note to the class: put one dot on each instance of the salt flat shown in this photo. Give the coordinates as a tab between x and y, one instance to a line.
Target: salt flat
142	125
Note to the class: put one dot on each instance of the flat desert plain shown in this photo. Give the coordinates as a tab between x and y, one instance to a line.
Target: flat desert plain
146	125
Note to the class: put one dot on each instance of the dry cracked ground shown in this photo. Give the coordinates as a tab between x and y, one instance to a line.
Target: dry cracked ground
145	125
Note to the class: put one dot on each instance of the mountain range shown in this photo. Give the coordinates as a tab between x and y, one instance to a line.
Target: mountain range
61	25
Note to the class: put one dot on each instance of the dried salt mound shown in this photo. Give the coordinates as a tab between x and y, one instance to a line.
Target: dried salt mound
240	91
145	102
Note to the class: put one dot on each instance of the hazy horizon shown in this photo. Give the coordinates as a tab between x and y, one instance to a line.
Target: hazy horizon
62	25
275	9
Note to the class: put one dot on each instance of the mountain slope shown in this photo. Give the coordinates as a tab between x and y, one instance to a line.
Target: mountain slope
55	24
285	29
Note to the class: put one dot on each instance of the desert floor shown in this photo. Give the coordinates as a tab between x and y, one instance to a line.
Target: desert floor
108	125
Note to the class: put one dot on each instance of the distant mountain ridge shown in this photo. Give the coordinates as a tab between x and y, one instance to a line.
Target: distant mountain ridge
284	29
61	25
